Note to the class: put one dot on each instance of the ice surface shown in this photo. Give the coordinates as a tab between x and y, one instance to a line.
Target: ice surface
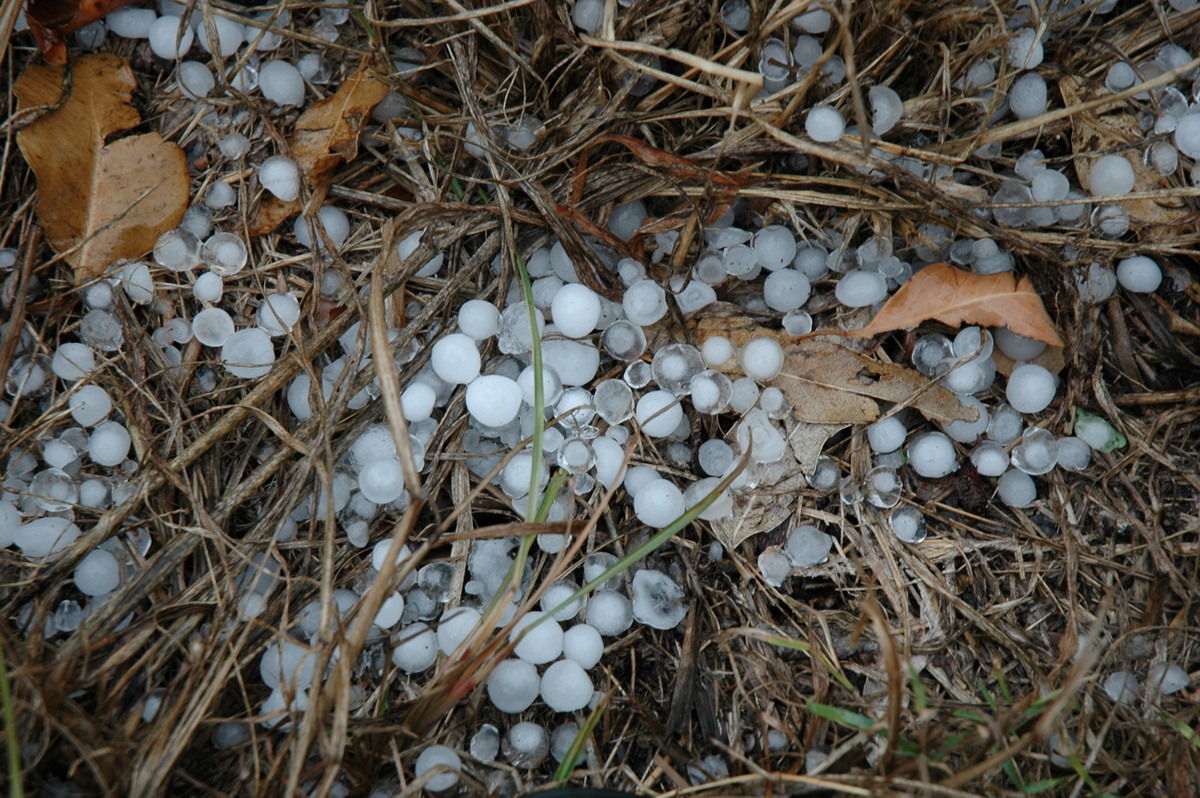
1111	175
455	359
583	644
968	431
1030	388
659	413
786	290
566	686
280	176
1166	678
698	491
513	685
415	648
658	503
1097	432
860	289
1049	185
492	400
230	36
1005	424
761	358
53	490
825	124
331	219
609	612
97	573
542	643
715	457
645	302
109	444
1139	274
1187	134
610	457
775	565
769	445
248	353
1025	49
1016	488
527	744
908	524
588	15
931	455
576	456
455	626
438	756
716	350
743	395
552	389
637	374
657	600
774	247
578	407
209	287
614	401
382	480
1028	96
1122	687
1017	347
281	83
886	435
741	261
675	365
1073	453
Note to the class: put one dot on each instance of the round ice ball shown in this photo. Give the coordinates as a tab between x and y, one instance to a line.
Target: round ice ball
416	648
886	109
1187	135
455	359
610	612
824	123
860	289
513	685
575	310
97	573
434	756
195	79
645	302
381	480
209	287
73	361
931	455
659	413
230	36
281	83
137	283
248	353
566	686
786	289
583	644
170	39
131	23
1030	388
542	643
762	358
588	15
212	327
1028	96
1016	488
90	404
1111	175
493	400
109	444
278	314
330	218
280	176
479	319
658	503
1139	274
886	435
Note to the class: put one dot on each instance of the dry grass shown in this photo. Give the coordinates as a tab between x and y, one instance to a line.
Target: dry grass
940	670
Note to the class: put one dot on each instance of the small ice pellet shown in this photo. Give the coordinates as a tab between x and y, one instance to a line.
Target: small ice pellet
479	319
89	404
234	146
990	459
247	353
281	83
1050	185
609	611
109	444
931	455
331	219
886	435
434	756
278	313
1139	274
860	289
645	302
280	176
1030	388
1187	134
1111	175
786	290
1017	347
493	400
97	573
1120	76
824	123
212	327
455	359
775	565
886	109
542	643
575	310
73	361
416	648
169	38
131	23
625	220
808	546
1028	96
1025	49
382	480
762	358
588	15
659	413
657	504
177	250
1016	488
208	287
220	195
513	685
774	247
230	36
583	644
908	524
195	79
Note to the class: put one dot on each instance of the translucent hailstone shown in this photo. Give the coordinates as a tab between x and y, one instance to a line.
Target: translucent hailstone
860	289
658	503
43	537
674	366
882	487
1005	424
390	612
769	445
797	323
736	14
808	546
575	310
97	573
1187	135
455	359
710	392
774	247
281	83
1162	157
381	481
234	146
786	290
219	195
824	123
408	245
1073	453
485	744
53	490
1139	274
610	460
1037	453
743	395
224	253
1028	96
513	685
552	388
1030	388
527	744
566	687
131	23
177	250
209	287
479	319
109	444
195	79
614	401
1016	346
1111	175
575	361
73	361
990	459
967	431
715	456
516	476
280	176
230	36
212	327
1166	678
559	594
1049	185
645	302
89	405
438	756
248	353
698	491
774	565
659	413
657	600
1016	488
331	219
908	524
1120	76
886	435
624	340
931	455
588	15
625	219
886	109
761	358
492	400
693	296
278	314
415	648
609	612
740	261
1122	687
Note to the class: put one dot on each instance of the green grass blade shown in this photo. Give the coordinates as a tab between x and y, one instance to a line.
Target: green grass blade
567	766
844	717
539	390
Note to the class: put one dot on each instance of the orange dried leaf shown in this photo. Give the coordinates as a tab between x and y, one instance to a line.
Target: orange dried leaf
50	19
98	202
956	297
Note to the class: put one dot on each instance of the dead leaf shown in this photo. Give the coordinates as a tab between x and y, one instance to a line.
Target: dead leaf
760	509
1095	135
49	20
326	136
829	383
955	297
99	202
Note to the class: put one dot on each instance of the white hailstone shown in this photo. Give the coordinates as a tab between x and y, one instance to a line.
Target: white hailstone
196	80
1187	134
808	546
931	455
330	218
824	123
658	413
43	537
575	361
97	573
219	195
1122	687
625	220
542	643
479	319
230	36
967	431
716	350
234	146
774	565
609	612
281	83
409	244
1028	96
1025	49
455	359
278	314
280	176
109	444
610	461
209	287
131	23
381	480
1016	346
248	353
774	247
886	109
513	685
1073	453
1096	284
416	648
390	611
1139	274
990	459
1111	175
588	15
566	687
169	38
1049	185
73	361
1166	678
658	503
645	302
1097	432
89	404
417	402
575	310
860	289
1030	388
224	253
657	600
438	756
583	644
456	626
786	290
762	358
212	327
1016	488
886	435
1120	76
736	14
